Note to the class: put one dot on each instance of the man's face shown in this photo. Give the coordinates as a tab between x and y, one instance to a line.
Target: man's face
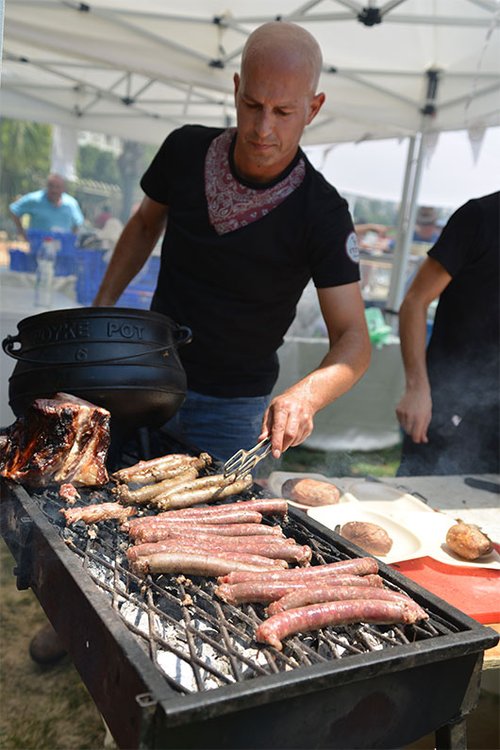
273	106
54	189
426	230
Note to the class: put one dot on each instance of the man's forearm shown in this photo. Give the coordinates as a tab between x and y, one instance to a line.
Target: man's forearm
17	221
344	364
413	333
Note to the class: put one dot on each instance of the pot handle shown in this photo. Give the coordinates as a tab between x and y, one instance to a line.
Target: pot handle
8	344
183	335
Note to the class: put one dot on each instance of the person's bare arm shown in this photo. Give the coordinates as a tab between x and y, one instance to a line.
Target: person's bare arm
414	410
289	418
134	246
17	221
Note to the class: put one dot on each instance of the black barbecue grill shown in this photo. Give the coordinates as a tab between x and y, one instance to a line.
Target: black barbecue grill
171	666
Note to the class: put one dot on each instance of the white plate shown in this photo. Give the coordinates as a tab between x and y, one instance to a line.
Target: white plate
366	491
406	545
396	509
277	479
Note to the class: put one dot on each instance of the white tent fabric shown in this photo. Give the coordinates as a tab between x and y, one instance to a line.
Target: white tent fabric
138	70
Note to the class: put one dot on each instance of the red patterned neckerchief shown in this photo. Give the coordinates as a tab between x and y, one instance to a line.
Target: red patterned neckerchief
232	205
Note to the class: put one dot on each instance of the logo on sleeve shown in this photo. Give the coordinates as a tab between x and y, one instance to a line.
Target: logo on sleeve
351	247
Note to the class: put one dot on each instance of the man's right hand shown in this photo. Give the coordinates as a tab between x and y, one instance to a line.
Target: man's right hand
414	412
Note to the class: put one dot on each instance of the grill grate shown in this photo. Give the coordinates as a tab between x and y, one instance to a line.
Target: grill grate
196	641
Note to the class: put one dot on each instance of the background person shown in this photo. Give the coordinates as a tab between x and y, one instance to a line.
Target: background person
49	210
102	217
450	408
427	228
250	221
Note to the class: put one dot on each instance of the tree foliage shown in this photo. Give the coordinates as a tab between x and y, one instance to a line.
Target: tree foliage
26	154
95	164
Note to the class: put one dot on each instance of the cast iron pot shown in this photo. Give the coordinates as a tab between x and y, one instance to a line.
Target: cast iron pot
123	359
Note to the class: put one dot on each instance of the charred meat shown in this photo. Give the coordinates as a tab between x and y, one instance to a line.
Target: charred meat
58	440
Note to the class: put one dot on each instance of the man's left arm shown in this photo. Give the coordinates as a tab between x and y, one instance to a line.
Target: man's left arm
76	215
289	419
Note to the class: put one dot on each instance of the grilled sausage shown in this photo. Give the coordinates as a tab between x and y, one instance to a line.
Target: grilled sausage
199	564
324	593
316	616
220	488
97	512
220	529
265	546
263	591
178	477
149	471
243	517
178	545
266	506
355	566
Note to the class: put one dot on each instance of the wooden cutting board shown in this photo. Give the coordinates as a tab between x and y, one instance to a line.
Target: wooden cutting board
474	591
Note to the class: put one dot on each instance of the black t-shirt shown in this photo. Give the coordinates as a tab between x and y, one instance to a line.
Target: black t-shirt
463	352
236	256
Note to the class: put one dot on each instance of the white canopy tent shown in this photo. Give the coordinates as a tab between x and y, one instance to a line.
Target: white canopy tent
138	70
402	68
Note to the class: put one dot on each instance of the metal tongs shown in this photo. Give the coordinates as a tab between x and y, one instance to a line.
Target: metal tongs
242	462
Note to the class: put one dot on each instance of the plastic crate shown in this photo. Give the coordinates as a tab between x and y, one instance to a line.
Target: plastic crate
66	255
147	276
138	298
91	266
22	261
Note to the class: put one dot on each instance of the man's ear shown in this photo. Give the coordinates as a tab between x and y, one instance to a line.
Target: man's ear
236	81
315	106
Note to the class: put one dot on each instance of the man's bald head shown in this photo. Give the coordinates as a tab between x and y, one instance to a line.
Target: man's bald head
284	44
55	187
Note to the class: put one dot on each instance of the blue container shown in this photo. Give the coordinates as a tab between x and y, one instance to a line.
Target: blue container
147	276
138	298
90	269
66	255
22	261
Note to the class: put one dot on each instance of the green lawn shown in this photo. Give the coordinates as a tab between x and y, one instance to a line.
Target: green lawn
380	463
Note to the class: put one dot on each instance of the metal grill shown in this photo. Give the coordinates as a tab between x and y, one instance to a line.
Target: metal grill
198	642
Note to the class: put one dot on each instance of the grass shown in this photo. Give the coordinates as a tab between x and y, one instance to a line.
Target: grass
50	708
343	464
40	708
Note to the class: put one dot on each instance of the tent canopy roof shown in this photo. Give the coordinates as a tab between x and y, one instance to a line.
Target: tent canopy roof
140	70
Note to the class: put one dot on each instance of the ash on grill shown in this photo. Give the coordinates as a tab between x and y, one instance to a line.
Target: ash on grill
198	642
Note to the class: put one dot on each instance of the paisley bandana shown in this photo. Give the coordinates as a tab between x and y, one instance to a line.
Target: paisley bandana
232	205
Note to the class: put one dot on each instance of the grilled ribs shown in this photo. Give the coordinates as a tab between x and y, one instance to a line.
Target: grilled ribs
62	439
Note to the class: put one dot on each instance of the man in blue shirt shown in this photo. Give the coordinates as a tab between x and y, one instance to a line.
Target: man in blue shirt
50	210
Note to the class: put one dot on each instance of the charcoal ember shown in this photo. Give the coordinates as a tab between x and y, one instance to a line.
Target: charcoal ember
58	440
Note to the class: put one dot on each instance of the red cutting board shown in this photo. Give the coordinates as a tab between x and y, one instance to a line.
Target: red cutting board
475	591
